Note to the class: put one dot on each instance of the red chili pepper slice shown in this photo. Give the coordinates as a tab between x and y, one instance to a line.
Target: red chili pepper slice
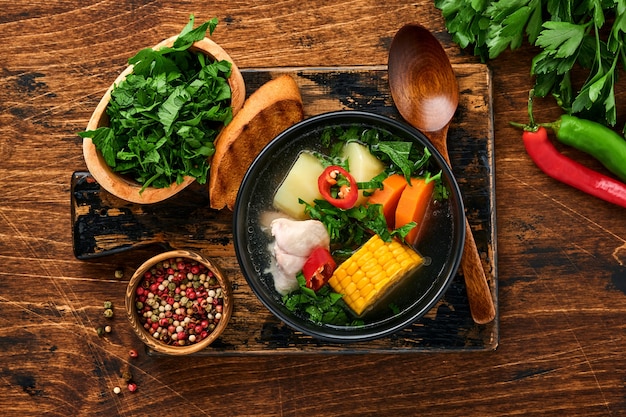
335	191
563	169
318	268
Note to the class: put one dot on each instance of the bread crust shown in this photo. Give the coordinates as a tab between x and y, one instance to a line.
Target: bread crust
274	107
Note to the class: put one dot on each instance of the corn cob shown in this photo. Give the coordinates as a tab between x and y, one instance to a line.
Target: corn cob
377	265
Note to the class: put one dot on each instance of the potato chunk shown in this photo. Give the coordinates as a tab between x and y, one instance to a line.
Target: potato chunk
300	183
363	165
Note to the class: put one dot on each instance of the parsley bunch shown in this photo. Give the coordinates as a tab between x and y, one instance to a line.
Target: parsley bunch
166	114
585	34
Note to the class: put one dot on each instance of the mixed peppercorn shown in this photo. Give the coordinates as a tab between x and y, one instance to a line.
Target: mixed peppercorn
179	301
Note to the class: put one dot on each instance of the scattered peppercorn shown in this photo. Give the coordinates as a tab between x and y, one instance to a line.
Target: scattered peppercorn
119	273
108	305
108	313
133	353
108	329
117	390
179	301
100	331
126	375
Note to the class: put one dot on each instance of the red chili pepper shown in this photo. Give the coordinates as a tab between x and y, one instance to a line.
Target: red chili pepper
563	169
318	268
329	181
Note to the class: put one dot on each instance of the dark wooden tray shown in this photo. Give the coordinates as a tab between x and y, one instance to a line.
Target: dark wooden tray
102	224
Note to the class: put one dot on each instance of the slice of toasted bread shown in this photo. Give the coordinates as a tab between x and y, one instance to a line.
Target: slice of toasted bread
274	107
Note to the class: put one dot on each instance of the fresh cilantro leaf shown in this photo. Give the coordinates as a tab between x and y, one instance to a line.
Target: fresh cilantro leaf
394	308
467	22
560	10
615	42
534	22
104	139
598	95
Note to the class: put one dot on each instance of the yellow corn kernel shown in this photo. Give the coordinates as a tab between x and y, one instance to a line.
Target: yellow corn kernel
385	257
371	271
363	282
359	304
367	256
351	268
367	289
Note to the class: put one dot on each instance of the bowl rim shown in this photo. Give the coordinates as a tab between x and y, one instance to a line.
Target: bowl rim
125	188
133	317
344	117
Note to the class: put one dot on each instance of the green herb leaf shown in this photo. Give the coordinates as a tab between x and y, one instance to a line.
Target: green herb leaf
321	307
398	153
513	18
563	38
168	111
189	35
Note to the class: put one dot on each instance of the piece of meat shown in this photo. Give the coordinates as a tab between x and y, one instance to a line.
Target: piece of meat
299	237
290	264
294	242
284	283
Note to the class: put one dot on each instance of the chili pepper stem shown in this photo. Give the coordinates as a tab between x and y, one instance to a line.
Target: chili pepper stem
531	117
532	126
525	127
554	126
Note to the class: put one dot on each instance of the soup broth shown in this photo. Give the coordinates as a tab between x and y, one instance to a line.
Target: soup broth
434	243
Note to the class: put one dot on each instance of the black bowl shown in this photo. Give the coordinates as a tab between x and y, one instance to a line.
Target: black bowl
442	244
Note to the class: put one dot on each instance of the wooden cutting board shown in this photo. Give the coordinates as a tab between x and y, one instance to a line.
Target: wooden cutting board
102	224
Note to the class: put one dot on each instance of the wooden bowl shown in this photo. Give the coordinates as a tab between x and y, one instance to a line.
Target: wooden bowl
126	188
145	335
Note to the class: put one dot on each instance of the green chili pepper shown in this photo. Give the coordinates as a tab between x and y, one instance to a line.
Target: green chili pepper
595	139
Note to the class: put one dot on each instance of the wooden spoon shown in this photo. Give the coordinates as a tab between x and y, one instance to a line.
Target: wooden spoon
425	91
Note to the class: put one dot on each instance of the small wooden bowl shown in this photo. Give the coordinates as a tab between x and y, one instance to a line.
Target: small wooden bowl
146	336
126	188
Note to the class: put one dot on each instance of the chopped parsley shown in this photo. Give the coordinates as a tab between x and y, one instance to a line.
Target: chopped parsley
321	307
166	114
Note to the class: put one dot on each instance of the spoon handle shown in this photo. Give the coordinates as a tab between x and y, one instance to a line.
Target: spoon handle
477	287
478	292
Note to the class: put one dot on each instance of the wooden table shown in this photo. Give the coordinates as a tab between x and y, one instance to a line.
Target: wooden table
561	254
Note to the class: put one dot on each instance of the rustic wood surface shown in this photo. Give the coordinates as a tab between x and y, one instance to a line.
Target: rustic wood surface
561	254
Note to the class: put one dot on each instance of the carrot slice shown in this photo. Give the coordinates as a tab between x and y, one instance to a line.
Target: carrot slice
388	196
413	204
